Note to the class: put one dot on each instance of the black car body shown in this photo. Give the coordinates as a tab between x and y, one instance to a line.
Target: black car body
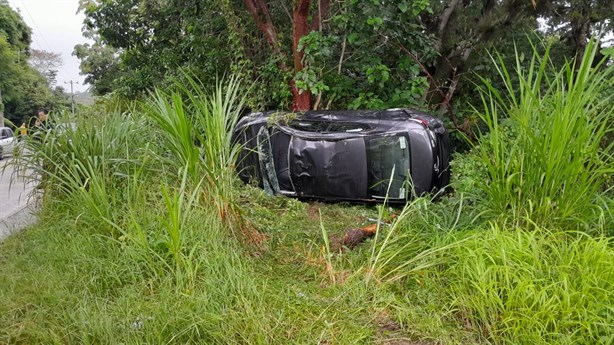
362	155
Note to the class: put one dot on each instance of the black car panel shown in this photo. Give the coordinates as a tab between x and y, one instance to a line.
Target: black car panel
329	169
366	155
281	159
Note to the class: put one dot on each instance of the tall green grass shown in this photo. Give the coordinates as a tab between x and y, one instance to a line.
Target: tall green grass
95	163
521	287
68	284
504	286
547	166
536	275
196	125
135	247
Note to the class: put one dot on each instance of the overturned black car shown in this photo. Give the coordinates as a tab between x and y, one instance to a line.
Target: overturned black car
362	155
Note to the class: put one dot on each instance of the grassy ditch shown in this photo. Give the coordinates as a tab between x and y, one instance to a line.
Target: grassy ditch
146	236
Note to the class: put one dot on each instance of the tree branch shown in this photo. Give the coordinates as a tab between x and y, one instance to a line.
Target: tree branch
443	22
446	97
260	13
321	15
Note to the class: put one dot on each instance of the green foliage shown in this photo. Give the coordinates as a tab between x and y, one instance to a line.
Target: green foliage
551	169
339	61
9	69
100	65
468	171
23	89
14	29
371	71
135	49
536	287
317	50
197	136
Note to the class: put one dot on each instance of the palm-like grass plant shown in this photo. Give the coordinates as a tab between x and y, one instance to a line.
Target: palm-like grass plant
87	166
196	128
548	166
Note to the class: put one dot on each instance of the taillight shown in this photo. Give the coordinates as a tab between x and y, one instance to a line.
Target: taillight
423	121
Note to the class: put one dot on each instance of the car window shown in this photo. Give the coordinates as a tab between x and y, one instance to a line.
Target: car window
5	133
388	165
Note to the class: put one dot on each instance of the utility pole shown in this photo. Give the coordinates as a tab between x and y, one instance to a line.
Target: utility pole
72	98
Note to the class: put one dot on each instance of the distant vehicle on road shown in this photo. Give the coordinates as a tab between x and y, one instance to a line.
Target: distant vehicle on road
66	126
7	142
361	155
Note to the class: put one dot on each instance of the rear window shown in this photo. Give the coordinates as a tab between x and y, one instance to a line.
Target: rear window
385	155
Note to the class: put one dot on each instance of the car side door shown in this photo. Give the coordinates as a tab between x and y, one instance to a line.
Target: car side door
6	139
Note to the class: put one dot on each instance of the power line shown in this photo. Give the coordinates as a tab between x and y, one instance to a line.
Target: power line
40	33
35	25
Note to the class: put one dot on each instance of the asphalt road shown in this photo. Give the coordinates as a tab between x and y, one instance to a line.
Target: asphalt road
17	204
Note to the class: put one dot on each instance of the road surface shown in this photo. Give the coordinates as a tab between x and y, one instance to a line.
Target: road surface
17	206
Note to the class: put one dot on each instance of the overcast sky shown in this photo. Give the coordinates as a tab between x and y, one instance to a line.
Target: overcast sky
56	27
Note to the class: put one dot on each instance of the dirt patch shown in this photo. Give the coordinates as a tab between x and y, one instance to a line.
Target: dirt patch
313	211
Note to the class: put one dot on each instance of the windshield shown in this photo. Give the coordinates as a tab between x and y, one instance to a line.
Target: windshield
388	157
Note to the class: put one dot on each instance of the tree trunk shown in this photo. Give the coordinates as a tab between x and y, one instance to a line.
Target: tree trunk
580	32
300	28
260	13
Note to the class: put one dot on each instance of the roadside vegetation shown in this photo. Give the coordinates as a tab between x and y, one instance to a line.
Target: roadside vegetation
146	236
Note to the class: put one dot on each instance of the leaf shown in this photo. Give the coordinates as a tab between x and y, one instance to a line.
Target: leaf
608	51
375	21
352	38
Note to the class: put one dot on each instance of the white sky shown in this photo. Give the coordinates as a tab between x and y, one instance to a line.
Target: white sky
56	27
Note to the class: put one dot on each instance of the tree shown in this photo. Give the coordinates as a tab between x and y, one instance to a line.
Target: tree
23	88
309	54
575	21
301	26
147	50
100	64
46	63
14	29
14	41
462	27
